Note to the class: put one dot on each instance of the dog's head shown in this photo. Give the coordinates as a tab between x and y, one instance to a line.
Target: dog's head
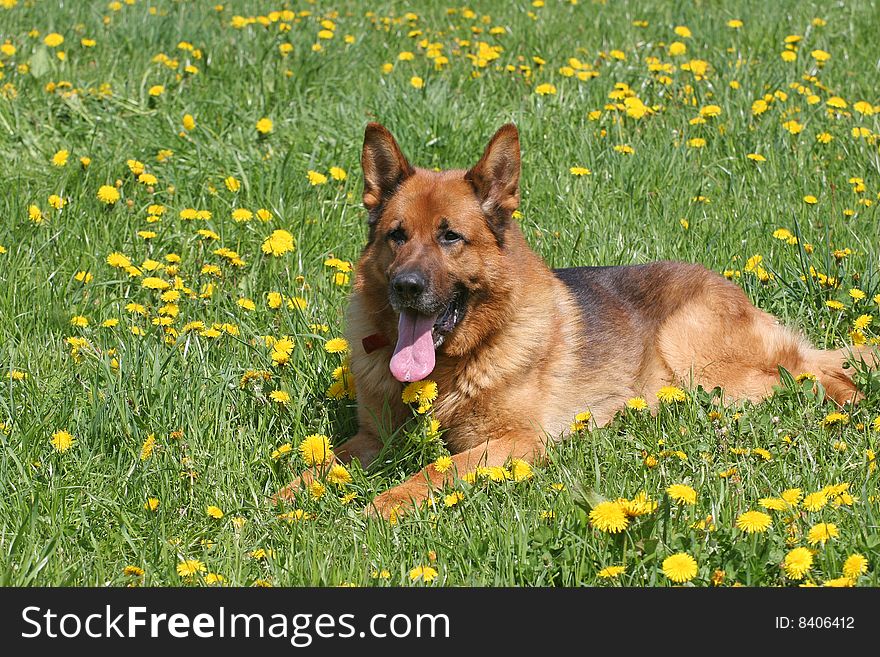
437	239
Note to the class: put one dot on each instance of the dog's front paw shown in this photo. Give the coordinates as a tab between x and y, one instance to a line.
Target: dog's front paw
395	502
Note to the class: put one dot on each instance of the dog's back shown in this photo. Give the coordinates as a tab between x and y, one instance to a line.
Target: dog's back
681	323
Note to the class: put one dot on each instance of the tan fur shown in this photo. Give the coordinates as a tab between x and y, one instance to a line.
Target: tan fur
523	362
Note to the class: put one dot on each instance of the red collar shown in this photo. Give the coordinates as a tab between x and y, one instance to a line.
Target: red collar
373	342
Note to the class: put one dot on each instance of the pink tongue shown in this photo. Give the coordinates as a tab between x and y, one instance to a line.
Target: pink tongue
413	357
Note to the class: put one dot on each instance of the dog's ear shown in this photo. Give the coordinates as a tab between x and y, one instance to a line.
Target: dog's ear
385	167
495	178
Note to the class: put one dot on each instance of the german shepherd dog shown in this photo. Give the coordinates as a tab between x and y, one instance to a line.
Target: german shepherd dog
448	289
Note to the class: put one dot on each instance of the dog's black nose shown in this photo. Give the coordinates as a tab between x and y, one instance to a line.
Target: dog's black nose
409	285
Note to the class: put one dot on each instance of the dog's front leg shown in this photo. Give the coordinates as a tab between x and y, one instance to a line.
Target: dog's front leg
527	445
362	446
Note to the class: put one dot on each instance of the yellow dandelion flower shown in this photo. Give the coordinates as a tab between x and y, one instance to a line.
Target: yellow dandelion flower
759	107
677	48
261	553
282	451
296	515
753	522
59	159
338	475
214	512
316	450
494	473
278	243
855	565
316	178
793	127
190	568
135	166
864	107
520	470
151	504
443	463
581	421
453	498
682	493
815	501
637	404
671	394
232	183
242	214
862	322
62	441
424	392
682	31
155	283
782	234
640	505
609	517
426	573
680	567
773	503
610	572
762	453
148	447
822	532
264	126
108	194
53	39
840	582
317	490
336	346
797	563
835	418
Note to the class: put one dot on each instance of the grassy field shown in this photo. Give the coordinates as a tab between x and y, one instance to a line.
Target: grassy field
145	297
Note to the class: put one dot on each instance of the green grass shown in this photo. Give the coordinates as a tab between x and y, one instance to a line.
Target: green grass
78	517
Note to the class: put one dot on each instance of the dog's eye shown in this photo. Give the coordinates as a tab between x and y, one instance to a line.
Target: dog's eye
450	237
398	236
